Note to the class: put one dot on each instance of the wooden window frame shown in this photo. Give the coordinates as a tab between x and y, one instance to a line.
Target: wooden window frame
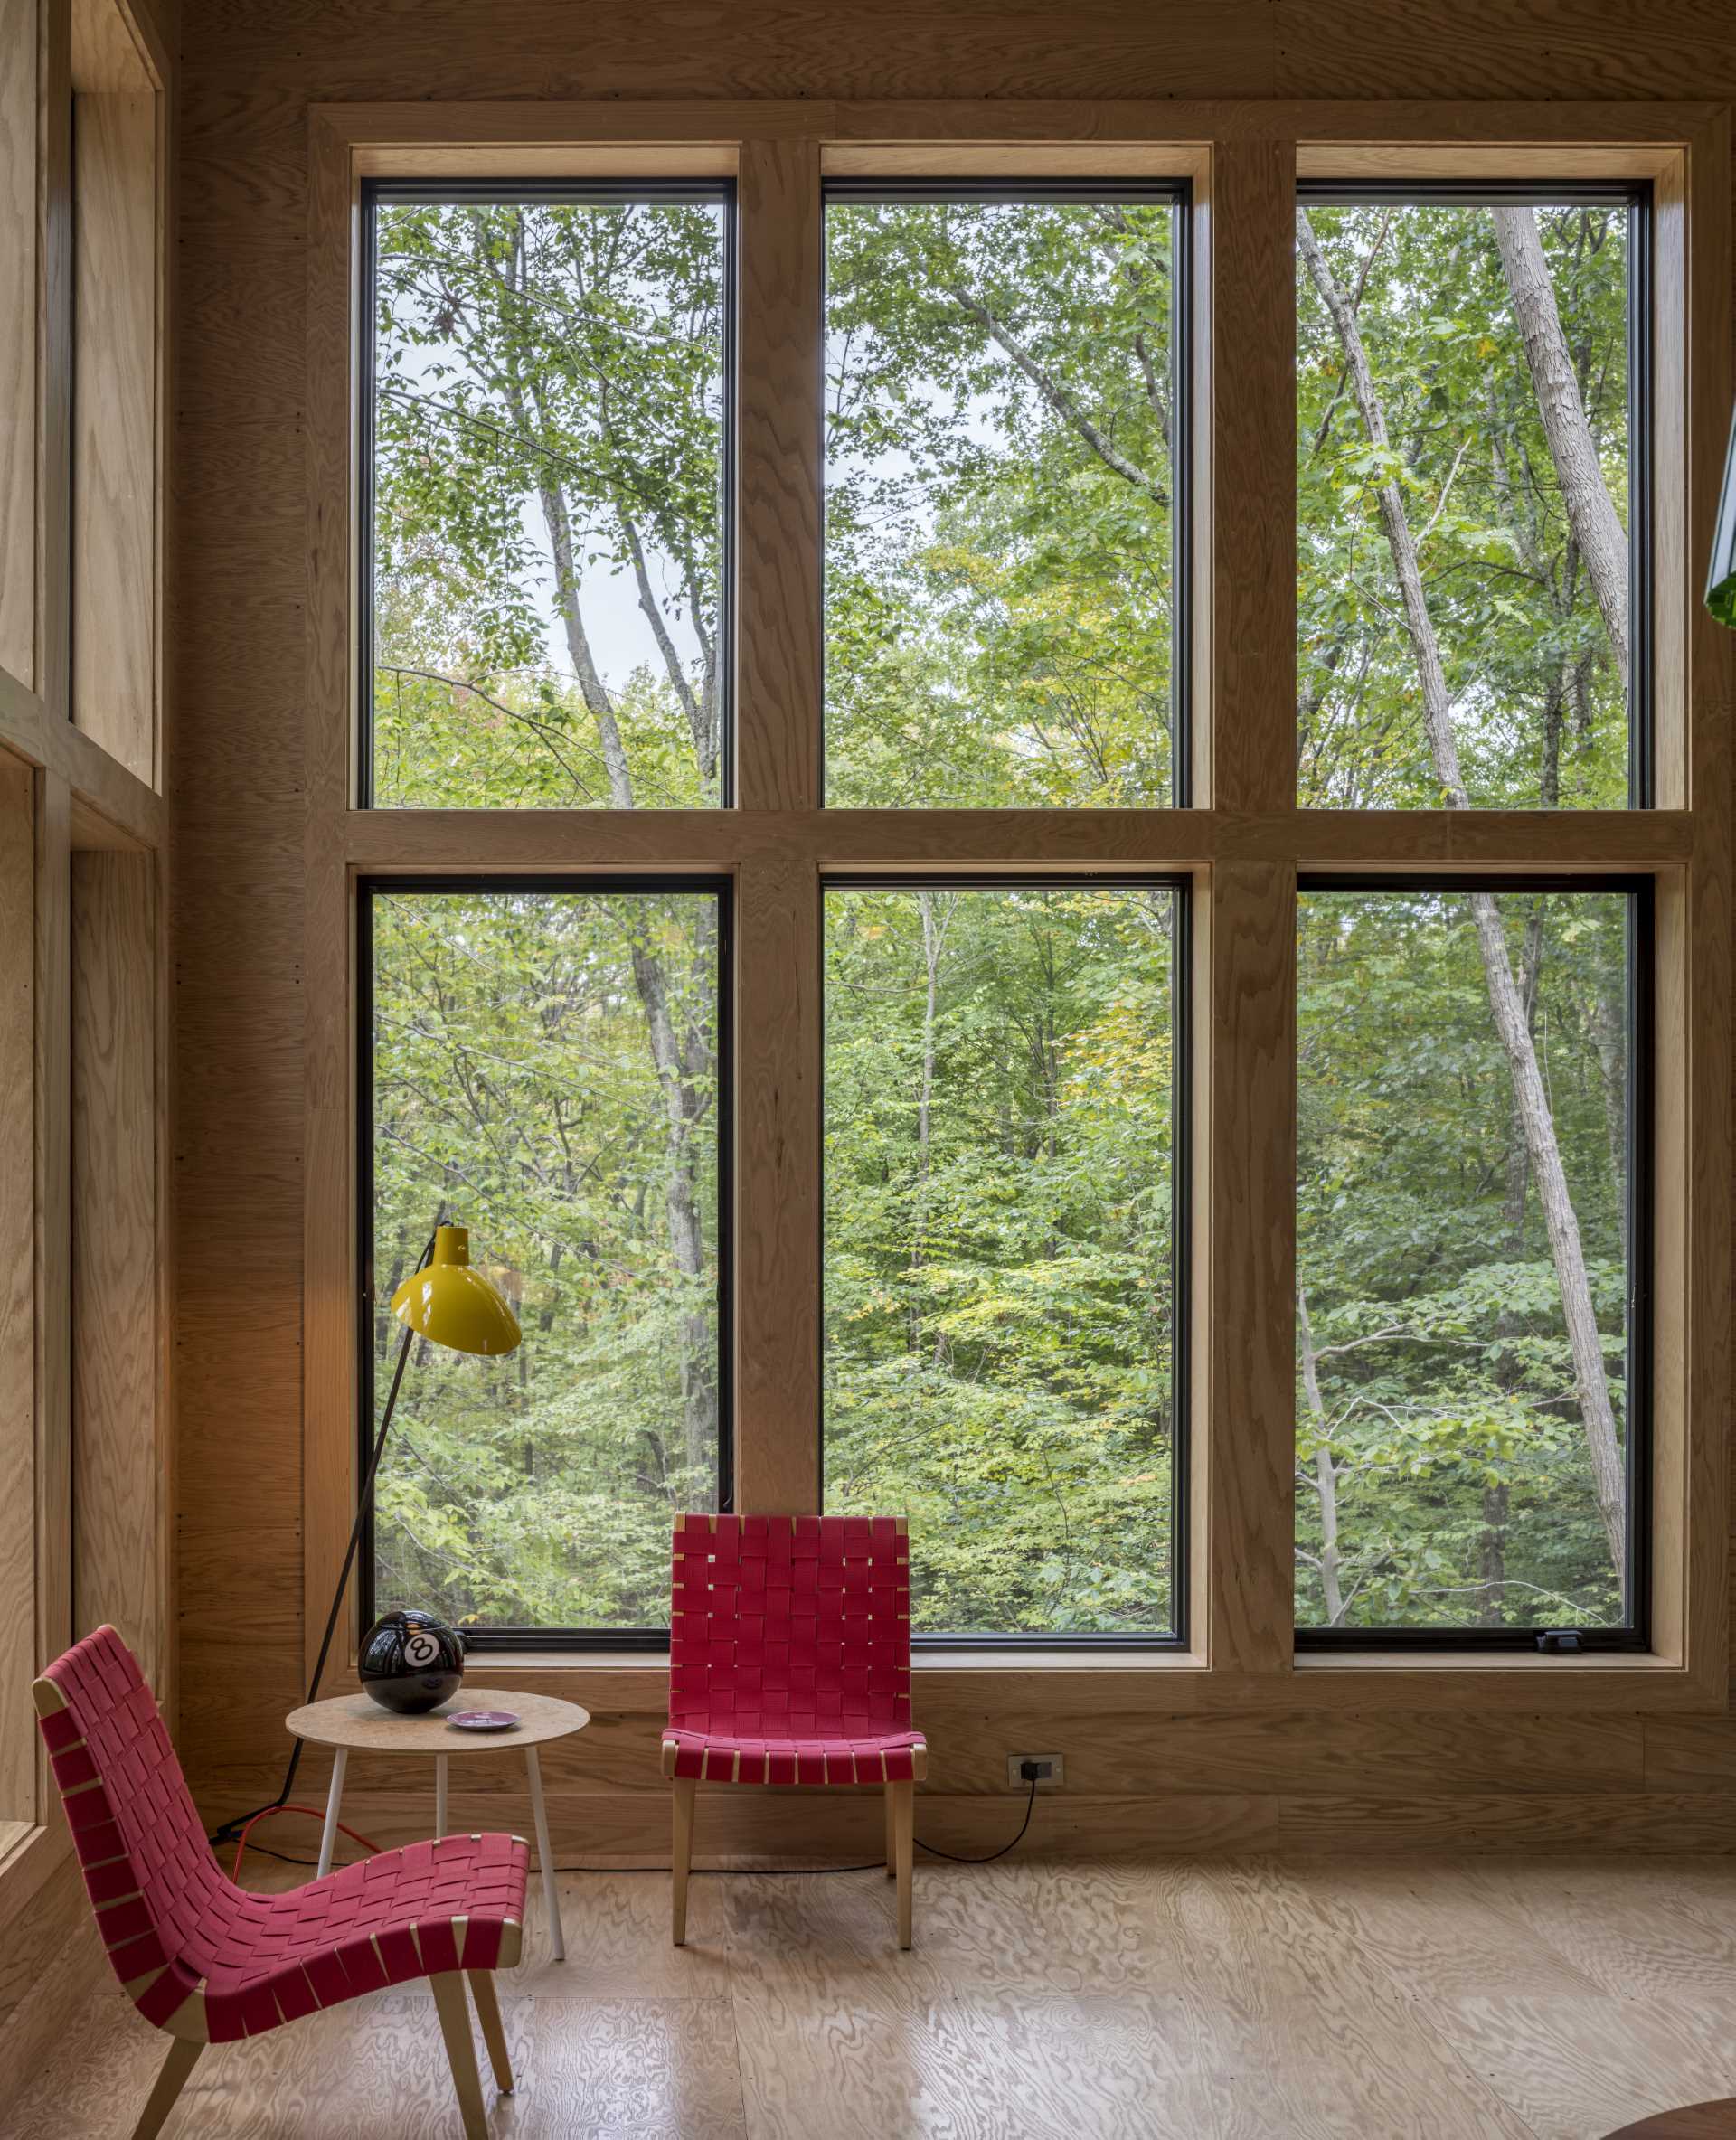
1241	845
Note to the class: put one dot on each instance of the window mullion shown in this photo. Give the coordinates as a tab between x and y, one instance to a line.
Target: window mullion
1248	1262
776	1183
777	530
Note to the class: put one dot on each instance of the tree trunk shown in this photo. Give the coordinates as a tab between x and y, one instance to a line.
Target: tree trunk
1532	1102
1492	1567
935	910
1591	512
1325	1475
1610	1033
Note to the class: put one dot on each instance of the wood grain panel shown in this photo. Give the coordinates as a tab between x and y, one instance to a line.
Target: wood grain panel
778	552
1252	498
17	1294
1251	1010
1511	1821
1294	1753
54	365
778	1013
1192	48
104	794
53	1228
1689	1754
117	1462
49	1958
106	54
18	66
114	446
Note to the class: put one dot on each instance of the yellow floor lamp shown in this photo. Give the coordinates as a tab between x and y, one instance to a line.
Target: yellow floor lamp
448	1303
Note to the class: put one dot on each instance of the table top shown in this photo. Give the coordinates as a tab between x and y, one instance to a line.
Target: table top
358	1721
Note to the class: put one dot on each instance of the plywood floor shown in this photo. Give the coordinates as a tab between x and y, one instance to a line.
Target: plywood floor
1547	1999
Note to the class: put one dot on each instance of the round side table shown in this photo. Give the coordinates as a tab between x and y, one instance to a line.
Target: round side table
355	1723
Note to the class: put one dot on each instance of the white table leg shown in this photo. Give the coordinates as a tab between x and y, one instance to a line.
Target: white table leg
440	1795
545	1856
334	1800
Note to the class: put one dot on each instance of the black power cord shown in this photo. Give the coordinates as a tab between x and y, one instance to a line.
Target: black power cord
765	1872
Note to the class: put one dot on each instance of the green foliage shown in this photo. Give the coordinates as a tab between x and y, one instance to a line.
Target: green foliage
514	1081
1000	526
1456	1467
547	431
1538	704
999	1297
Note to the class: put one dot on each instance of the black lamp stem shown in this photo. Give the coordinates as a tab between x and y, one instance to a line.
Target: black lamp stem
363	1505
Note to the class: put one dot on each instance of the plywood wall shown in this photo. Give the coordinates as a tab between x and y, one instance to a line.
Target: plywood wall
17	1300
115	183
1156	1777
119	1456
18	337
64	789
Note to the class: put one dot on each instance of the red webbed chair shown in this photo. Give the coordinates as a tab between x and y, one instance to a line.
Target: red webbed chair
789	1663
207	1962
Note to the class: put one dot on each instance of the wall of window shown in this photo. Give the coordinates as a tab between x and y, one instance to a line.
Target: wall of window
902	536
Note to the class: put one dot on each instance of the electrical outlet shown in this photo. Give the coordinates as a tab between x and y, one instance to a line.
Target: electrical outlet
1050	1767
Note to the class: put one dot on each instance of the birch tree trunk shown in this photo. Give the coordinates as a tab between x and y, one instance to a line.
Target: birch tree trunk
1531	1100
681	1054
1591	511
1325	1472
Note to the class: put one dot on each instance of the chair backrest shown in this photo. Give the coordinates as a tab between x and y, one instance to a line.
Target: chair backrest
147	1866
790	1626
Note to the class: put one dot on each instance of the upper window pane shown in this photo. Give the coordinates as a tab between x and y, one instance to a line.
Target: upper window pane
1002	1351
546	405
1004	417
1469	426
1467	1371
544	1066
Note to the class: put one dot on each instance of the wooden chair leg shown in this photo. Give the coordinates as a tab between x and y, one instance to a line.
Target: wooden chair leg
170	2081
460	2049
481	1990
681	1853
891	1836
904	1803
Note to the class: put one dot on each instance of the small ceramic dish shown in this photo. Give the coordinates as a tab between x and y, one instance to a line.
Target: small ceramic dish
484	1719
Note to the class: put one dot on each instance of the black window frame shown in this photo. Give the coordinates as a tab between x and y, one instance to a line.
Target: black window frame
721	888
375	193
1637	196
1177	194
1640	889
1180	885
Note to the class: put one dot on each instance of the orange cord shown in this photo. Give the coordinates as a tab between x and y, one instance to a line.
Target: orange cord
313	1813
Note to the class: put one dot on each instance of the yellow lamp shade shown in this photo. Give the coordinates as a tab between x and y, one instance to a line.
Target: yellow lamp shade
452	1305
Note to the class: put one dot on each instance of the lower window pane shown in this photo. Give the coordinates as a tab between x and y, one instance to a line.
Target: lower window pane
1001	1305
545	1064
1464	1423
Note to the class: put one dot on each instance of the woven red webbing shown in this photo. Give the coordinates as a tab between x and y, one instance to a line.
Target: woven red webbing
262	1959
789	1651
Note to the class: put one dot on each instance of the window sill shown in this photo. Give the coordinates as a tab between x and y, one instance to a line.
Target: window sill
483	1665
1076	1684
1471	1660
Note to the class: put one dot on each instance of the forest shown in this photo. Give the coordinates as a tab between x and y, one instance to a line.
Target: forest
1003	1149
